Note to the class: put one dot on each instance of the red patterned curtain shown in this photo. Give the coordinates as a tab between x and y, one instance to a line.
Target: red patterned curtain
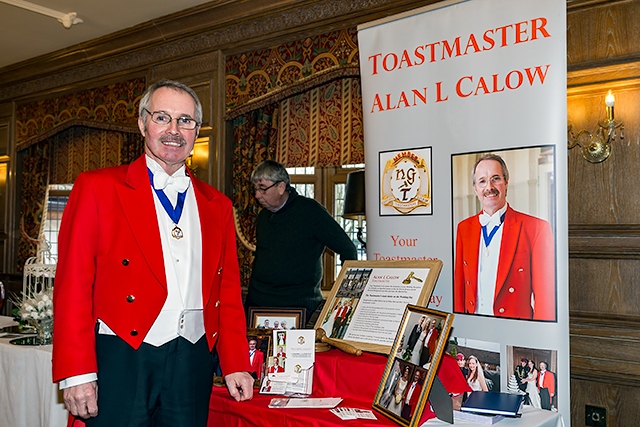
322	126
58	160
254	135
35	179
80	149
60	137
298	103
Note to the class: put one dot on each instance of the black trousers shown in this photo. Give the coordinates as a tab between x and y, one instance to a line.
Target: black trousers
166	386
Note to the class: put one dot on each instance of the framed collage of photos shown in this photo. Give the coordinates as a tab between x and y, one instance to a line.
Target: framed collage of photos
367	301
408	376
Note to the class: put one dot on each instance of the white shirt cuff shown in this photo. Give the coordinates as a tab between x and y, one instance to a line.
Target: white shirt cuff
77	380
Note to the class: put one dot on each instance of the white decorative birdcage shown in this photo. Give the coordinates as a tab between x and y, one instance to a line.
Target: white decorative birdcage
40	270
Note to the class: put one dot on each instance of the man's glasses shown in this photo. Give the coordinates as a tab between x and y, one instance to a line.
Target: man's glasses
265	189
495	180
163	119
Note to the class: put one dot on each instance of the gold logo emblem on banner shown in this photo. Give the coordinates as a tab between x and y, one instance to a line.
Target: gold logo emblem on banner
406	183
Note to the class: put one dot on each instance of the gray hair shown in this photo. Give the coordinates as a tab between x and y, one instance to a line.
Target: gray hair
177	86
271	171
505	170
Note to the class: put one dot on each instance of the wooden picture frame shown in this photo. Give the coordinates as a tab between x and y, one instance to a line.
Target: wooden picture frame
293	317
264	343
378	290
415	355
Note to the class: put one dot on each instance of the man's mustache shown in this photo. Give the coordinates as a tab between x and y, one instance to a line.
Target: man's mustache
490	192
173	139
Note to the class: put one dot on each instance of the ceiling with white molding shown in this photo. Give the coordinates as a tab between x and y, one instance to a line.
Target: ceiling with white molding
25	34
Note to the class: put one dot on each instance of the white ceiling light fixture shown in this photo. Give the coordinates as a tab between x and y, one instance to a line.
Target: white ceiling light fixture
66	19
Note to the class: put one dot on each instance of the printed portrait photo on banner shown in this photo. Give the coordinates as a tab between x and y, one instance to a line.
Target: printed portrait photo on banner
503	216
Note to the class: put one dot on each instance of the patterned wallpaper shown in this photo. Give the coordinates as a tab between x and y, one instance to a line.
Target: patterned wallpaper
114	104
253	75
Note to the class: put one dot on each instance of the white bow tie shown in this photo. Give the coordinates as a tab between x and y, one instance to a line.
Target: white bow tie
490	221
162	180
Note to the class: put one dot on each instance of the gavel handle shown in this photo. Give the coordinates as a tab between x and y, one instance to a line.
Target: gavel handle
346	347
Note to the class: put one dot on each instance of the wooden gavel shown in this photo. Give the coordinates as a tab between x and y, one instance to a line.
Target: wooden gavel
321	336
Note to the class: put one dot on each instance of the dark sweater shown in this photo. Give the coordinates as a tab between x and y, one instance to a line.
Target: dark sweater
287	269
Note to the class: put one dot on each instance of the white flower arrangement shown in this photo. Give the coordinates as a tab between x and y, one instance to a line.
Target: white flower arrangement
38	307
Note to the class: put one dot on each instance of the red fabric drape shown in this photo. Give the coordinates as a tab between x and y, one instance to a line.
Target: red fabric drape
254	135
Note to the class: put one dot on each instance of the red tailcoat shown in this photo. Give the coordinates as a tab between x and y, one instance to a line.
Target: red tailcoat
548	382
526	267
256	364
433	341
111	268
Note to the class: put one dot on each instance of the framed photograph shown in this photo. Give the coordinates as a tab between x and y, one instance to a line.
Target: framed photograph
260	348
276	317
412	365
367	301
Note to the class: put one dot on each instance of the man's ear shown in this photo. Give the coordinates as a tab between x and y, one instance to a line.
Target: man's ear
282	188
142	126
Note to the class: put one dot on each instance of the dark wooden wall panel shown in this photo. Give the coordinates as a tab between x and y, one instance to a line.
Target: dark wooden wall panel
604	286
603	33
603	52
622	399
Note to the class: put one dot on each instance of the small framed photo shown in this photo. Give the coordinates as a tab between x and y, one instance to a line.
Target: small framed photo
367	301
276	318
260	348
412	364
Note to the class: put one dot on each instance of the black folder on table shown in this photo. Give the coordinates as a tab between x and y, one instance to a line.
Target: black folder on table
491	402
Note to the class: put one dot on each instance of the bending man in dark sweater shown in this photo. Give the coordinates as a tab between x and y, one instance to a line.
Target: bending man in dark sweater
292	232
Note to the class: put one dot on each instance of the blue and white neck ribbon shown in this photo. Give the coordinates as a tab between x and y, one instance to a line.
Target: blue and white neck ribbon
174	212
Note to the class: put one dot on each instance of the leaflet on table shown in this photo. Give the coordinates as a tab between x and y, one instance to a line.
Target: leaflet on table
290	367
322	402
381	305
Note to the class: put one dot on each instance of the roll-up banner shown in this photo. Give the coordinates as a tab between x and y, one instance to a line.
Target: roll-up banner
465	152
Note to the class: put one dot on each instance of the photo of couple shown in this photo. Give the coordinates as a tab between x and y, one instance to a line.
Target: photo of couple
422	340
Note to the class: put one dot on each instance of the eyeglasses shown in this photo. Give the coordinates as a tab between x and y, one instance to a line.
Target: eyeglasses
265	189
163	119
495	180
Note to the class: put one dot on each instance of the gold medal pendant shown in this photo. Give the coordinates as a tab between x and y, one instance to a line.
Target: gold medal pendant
176	233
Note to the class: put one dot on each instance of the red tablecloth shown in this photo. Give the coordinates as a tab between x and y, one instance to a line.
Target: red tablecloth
336	374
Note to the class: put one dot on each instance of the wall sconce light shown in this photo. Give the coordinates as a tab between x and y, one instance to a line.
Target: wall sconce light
597	148
354	201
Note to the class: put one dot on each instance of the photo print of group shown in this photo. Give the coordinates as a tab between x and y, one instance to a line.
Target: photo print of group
343	305
529	372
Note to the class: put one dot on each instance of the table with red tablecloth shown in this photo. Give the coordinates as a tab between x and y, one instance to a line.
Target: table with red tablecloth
336	374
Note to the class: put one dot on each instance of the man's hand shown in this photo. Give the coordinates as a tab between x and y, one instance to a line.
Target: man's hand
82	400
240	385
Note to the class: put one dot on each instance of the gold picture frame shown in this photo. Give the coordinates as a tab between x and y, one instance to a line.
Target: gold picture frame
412	364
293	317
367	293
